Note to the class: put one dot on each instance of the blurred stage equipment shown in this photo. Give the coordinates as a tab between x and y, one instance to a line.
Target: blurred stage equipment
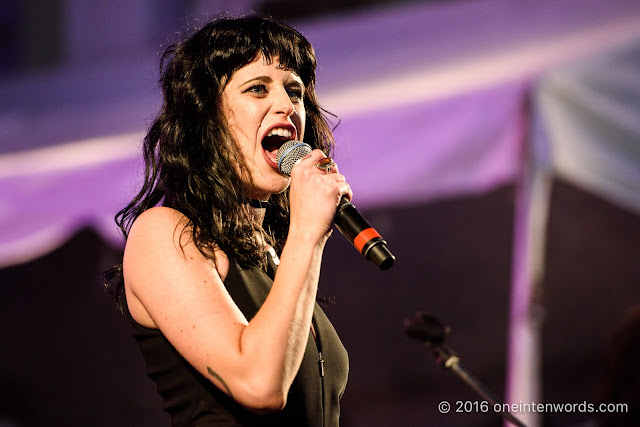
428	329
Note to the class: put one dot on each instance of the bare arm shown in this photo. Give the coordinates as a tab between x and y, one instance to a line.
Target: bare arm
172	286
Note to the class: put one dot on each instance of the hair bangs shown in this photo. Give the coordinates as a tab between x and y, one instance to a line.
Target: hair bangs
244	39
292	51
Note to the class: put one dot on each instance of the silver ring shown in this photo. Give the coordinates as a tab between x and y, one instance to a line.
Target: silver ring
326	164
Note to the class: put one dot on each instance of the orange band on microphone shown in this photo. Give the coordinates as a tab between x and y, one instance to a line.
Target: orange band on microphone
364	236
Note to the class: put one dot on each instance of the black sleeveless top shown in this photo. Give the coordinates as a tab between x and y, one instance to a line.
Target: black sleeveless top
192	400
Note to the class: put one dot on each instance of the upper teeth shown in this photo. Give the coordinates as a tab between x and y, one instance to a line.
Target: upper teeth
280	132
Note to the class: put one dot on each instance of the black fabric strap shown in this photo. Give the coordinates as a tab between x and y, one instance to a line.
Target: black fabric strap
258	204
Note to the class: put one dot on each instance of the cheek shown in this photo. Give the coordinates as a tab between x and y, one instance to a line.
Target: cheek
302	117
229	115
242	122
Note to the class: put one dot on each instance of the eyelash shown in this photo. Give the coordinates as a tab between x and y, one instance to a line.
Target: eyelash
257	89
295	95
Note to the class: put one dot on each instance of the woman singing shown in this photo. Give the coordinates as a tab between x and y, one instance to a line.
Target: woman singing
223	251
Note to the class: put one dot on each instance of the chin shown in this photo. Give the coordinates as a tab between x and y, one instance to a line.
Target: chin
281	188
274	186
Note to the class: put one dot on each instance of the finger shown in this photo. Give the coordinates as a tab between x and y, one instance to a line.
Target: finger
336	177
326	165
313	157
308	161
343	188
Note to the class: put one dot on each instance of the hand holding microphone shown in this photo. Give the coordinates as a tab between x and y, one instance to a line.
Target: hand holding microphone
347	218
313	197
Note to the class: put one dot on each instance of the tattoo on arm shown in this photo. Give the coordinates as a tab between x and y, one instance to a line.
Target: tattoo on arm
219	378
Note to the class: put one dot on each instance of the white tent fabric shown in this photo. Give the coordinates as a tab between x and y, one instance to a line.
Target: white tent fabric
591	115
48	194
434	103
438	106
585	128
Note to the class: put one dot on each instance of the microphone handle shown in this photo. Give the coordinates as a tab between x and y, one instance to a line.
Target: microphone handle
364	237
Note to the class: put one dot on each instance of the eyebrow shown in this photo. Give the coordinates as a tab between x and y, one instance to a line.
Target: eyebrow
267	79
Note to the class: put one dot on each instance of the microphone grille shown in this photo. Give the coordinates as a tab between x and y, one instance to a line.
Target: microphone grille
290	153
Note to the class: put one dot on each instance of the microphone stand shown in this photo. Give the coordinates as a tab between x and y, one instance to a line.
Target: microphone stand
428	329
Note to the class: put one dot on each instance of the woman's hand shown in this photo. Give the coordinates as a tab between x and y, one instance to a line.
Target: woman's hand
314	196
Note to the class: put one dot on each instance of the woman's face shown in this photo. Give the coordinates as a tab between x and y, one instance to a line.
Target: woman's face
264	108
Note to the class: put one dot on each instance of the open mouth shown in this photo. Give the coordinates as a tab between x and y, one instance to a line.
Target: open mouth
273	141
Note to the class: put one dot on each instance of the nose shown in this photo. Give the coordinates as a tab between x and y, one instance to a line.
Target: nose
282	103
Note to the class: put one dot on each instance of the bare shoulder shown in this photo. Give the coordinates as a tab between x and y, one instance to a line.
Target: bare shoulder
166	233
161	258
158	222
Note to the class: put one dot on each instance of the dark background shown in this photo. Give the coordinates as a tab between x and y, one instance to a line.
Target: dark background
68	358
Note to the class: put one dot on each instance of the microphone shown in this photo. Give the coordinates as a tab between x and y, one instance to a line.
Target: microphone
348	220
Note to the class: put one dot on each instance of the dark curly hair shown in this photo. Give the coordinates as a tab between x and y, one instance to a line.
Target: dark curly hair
192	163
